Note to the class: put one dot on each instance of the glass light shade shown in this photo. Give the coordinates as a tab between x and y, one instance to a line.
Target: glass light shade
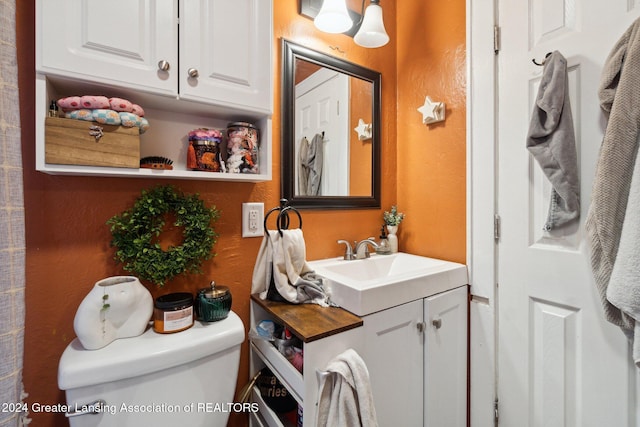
333	17
372	32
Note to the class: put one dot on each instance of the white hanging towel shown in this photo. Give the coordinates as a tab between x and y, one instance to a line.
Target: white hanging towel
624	286
345	393
282	257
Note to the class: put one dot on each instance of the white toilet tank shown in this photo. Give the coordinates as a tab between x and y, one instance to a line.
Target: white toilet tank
181	379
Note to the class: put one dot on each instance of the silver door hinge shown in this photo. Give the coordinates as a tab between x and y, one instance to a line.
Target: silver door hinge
496	227
496	39
496	414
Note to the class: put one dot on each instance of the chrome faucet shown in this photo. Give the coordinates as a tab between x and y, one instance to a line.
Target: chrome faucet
362	248
348	254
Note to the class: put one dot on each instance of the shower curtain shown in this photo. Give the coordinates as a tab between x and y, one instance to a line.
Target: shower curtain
12	241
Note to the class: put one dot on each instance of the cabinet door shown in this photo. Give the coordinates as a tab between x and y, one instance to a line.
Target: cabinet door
114	42
225	53
445	372
394	357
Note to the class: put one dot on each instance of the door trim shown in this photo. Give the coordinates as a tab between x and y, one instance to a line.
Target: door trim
481	207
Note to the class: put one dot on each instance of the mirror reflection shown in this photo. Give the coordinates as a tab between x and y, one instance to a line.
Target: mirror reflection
332	159
330	132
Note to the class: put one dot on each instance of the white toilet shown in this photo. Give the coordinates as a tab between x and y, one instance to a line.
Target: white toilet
181	379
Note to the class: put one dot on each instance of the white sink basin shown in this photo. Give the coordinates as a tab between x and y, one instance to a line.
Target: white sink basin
365	286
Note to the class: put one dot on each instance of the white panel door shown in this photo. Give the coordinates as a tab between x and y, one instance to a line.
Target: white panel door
322	107
225	52
114	42
559	362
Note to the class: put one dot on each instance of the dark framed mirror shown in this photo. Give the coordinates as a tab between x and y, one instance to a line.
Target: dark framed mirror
330	131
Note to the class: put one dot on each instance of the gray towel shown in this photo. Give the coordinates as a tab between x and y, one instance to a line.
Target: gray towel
303	170
619	94
311	161
552	142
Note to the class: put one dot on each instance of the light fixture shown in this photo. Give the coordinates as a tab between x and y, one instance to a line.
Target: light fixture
372	32
333	17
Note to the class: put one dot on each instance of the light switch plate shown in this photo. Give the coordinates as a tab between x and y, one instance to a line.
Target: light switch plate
252	219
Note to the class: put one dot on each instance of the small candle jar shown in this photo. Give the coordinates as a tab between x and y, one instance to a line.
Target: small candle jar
213	303
173	313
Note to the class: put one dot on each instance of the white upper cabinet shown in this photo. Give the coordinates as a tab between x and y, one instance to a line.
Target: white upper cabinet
209	51
225	52
188	63
117	42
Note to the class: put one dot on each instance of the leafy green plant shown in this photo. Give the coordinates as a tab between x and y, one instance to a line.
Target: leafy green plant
394	217
135	234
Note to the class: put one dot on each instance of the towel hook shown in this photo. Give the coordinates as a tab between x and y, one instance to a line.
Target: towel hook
283	219
540	64
283	203
282	222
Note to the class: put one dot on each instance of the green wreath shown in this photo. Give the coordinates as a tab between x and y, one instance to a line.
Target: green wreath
135	233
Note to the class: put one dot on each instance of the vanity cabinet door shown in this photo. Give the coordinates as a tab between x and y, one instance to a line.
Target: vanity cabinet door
225	52
394	357
116	42
445	362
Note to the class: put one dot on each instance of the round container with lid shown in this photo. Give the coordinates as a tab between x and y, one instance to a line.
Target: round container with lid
173	313
204	150
213	303
243	144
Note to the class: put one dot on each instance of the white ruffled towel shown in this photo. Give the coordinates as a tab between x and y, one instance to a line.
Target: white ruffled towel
283	258
345	393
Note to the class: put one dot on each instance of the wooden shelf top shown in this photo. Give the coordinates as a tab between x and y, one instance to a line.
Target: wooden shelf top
310	322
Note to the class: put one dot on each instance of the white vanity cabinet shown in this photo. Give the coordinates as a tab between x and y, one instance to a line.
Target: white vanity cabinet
211	51
188	63
325	332
416	354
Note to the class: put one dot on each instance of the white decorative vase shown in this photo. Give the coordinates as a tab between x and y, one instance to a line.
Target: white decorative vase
393	239
129	310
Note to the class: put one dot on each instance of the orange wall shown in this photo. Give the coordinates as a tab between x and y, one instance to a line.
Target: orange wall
431	159
68	242
360	151
424	172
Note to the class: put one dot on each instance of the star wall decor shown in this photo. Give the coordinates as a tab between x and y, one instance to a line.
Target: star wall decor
432	112
363	129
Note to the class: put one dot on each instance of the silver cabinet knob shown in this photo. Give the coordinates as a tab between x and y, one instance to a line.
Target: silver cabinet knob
163	65
437	323
421	326
193	72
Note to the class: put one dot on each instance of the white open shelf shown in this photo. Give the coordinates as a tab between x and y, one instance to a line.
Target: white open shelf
170	121
265	415
281	368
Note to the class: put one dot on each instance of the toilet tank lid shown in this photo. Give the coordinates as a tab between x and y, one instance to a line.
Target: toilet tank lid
147	353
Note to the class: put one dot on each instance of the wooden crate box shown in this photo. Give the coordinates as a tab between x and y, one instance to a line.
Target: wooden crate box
73	142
